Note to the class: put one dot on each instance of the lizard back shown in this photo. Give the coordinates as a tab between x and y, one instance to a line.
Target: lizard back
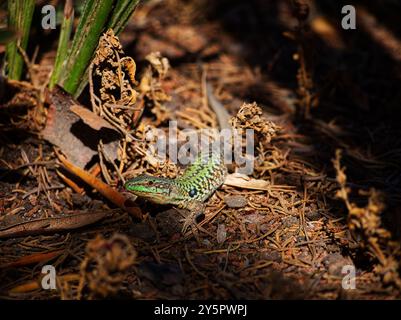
204	176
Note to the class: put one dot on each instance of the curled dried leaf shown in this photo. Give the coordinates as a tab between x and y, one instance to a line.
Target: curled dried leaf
250	116
112	82
106	263
151	88
158	63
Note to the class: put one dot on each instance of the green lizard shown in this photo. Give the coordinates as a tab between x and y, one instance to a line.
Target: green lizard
198	182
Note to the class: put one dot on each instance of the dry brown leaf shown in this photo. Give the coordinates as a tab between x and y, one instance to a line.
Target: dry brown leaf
69	132
243	181
90	118
70	221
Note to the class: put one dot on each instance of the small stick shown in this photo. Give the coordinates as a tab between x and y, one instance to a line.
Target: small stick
70	183
32	258
113	195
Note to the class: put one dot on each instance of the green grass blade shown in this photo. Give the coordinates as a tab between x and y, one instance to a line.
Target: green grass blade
121	14
85	41
64	39
123	10
20	14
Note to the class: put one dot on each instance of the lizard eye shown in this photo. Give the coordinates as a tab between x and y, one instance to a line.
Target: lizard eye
193	192
150	182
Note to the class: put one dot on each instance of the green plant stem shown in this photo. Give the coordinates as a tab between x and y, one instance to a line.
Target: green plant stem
96	18
85	42
123	9
63	43
121	14
20	14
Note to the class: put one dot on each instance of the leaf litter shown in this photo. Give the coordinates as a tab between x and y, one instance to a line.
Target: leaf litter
282	233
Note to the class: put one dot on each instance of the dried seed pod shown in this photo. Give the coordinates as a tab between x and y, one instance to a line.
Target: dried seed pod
301	9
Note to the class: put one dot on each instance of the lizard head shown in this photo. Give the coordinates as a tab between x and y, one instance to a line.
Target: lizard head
154	189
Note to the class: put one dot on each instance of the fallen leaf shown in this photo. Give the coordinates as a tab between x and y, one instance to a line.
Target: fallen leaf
35	284
53	224
71	132
90	118
243	181
32	258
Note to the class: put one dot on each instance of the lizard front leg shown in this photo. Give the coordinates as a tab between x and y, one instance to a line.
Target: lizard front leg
196	208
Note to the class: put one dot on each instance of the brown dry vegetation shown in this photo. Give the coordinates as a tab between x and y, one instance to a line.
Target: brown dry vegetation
332	170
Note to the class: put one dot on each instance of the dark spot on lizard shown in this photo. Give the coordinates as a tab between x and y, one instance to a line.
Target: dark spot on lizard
193	192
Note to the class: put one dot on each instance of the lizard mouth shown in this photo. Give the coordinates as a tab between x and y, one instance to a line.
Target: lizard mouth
158	198
152	193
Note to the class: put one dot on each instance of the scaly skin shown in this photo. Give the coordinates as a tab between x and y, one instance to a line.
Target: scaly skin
188	191
198	182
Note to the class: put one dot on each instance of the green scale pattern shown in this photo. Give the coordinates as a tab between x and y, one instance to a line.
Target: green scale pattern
203	177
196	184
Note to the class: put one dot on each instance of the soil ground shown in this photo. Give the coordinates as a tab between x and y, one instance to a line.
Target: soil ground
327	88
